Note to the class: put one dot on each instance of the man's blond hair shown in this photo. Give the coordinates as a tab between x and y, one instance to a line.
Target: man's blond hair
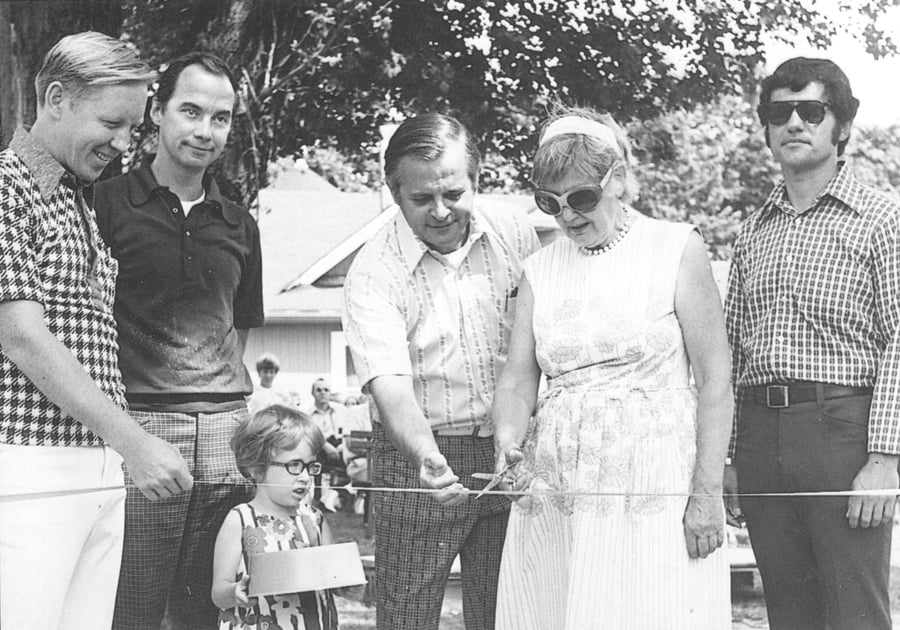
89	60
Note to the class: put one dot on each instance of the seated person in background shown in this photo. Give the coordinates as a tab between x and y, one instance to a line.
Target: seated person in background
336	421
267	367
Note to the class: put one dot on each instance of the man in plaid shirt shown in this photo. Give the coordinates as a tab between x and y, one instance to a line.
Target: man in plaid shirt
813	315
63	428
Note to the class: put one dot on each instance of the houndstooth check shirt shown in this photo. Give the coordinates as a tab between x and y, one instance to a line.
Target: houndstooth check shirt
815	296
51	253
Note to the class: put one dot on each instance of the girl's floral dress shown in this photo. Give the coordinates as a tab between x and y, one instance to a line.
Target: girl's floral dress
262	533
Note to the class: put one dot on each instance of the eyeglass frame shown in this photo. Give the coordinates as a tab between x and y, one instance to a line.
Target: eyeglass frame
562	200
303	466
764	114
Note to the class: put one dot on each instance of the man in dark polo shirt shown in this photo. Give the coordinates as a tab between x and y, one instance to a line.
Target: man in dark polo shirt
189	289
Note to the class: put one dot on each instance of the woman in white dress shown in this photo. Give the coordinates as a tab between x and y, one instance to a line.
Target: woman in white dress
618	316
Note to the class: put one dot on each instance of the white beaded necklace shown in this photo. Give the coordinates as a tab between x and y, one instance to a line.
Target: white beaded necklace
602	249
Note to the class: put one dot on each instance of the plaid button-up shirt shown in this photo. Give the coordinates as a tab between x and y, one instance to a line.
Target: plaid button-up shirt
51	253
446	322
815	296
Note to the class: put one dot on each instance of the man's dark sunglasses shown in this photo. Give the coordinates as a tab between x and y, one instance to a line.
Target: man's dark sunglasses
779	112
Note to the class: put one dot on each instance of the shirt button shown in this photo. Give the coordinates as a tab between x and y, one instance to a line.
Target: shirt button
789	258
189	257
174	210
187	232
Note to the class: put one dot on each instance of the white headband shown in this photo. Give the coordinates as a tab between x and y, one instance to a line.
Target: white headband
584	126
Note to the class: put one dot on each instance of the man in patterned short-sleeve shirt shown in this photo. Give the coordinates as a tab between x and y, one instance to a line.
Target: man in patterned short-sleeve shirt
63	429
813	316
429	303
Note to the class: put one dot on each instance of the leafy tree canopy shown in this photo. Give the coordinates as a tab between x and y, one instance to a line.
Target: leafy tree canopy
332	72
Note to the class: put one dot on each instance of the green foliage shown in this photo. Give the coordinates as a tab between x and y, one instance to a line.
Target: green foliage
359	173
708	166
332	72
874	154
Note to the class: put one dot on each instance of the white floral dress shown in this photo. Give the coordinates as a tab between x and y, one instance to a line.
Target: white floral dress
618	419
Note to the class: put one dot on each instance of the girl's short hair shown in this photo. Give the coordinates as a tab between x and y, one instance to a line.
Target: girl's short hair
273	428
582	154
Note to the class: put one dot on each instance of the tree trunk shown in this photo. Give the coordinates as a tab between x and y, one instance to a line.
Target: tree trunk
27	31
9	114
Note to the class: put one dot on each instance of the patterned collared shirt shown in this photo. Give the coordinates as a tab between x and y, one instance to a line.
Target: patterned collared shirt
815	296
443	320
51	253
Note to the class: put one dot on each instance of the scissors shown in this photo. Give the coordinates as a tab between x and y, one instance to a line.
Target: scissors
493	479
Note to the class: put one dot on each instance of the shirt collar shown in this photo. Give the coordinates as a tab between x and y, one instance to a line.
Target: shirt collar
48	173
412	249
843	188
143	187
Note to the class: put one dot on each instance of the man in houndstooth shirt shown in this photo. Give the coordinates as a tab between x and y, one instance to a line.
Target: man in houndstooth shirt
813	315
63	428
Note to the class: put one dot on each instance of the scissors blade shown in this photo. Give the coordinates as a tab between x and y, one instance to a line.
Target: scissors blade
495	479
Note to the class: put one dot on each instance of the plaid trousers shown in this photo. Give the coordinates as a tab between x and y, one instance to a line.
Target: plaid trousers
417	539
169	544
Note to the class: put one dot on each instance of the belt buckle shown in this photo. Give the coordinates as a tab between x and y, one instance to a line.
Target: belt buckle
777	396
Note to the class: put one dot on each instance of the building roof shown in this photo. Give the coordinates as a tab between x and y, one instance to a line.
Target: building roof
310	235
298	228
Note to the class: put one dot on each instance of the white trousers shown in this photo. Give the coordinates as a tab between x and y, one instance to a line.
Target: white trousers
59	556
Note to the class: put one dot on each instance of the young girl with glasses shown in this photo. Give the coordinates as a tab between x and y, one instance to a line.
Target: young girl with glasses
277	449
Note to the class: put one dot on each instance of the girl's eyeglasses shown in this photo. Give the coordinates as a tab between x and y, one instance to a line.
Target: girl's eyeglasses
297	466
581	199
779	112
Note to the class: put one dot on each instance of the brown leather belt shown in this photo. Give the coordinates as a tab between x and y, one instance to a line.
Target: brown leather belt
779	396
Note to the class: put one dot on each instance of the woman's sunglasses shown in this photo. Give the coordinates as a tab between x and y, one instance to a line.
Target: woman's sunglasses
779	112
582	199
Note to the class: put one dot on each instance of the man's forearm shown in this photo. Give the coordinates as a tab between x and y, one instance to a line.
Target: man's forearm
411	436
